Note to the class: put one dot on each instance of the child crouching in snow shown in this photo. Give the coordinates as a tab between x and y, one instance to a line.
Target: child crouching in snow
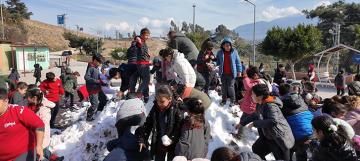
42	107
275	135
195	132
163	123
130	116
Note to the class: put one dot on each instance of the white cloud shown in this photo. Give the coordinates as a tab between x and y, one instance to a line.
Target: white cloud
144	21
122	26
322	3
272	12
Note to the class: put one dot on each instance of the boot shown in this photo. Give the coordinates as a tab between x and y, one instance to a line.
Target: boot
223	102
89	115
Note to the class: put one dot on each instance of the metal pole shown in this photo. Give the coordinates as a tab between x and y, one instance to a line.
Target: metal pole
2	21
194	17
254	48
24	60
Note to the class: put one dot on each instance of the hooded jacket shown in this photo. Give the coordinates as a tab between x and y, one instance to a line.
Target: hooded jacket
234	57
331	153
353	118
52	89
183	69
92	79
184	45
247	105
273	124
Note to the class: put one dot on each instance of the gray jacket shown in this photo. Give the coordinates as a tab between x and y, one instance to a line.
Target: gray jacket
193	143
92	79
184	45
274	125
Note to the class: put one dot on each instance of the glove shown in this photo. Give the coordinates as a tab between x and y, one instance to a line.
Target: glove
166	140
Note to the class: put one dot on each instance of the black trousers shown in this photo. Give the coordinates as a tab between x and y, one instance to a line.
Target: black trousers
300	149
340	91
69	95
264	146
54	112
143	72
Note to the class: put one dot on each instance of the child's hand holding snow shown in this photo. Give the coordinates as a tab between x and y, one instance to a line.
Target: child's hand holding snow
166	140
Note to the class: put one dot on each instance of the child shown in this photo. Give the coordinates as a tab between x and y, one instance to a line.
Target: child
310	97
229	64
227	154
143	65
275	135
200	80
340	83
37	73
93	85
18	96
195	132
42	107
70	85
334	146
299	118
157	70
14	77
353	114
280	74
130	116
205	63
108	87
163	123
53	90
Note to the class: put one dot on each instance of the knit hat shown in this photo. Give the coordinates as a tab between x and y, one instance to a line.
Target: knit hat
355	87
180	158
68	71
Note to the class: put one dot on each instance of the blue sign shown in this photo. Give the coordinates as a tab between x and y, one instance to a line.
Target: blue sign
61	19
356	58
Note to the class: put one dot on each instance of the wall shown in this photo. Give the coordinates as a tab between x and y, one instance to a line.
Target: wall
5	58
42	55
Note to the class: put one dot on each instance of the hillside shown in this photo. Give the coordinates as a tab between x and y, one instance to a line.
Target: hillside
51	35
246	31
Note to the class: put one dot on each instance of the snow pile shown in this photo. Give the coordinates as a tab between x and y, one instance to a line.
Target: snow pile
87	140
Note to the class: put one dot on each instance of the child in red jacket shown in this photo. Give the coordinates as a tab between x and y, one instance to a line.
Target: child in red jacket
53	89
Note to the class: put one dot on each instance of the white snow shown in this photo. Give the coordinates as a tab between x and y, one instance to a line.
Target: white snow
87	140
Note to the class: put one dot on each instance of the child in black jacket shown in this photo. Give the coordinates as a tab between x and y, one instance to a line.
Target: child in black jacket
163	123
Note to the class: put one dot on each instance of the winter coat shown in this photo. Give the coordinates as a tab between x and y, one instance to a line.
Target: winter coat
151	126
183	69
247	105
131	53
193	143
143	56
92	79
279	75
37	72
204	64
184	45
190	92
300	124
273	124
118	152
234	57
52	89
331	153
17	99
200	81
70	83
340	81
14	77
45	115
350	133
293	104
353	118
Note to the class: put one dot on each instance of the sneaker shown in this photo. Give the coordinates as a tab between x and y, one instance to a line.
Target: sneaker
89	115
222	103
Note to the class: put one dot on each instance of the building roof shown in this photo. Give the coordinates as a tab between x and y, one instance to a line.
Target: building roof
29	46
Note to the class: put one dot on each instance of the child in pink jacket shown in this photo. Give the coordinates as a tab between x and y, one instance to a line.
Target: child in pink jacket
247	106
42	107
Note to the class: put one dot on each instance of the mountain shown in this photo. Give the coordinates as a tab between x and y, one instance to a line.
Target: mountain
246	31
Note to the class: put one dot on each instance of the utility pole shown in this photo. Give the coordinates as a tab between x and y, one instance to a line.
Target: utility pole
2	21
194	17
254	46
338	30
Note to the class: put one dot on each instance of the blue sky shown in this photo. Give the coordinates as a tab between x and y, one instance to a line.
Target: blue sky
129	15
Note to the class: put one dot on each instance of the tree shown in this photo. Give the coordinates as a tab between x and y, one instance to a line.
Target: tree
292	44
173	26
119	54
357	33
18	10
345	14
185	27
91	45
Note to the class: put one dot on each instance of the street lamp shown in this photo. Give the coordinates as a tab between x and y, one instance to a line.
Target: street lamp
194	17
254	47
